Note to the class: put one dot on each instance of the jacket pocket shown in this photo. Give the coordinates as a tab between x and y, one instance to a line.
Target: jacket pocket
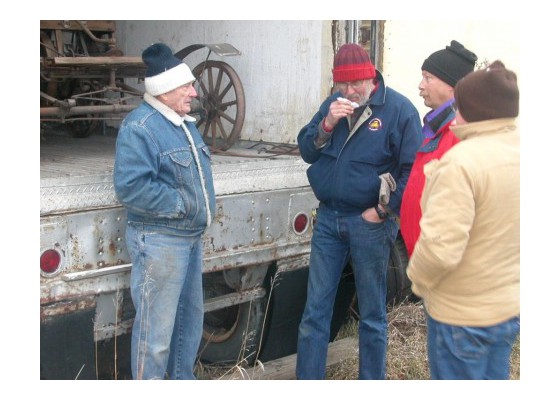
182	157
184	169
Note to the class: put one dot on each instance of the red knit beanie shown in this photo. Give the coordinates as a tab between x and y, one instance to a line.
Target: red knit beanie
488	93
352	63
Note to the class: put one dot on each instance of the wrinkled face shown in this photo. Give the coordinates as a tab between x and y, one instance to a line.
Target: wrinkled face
434	91
356	91
179	99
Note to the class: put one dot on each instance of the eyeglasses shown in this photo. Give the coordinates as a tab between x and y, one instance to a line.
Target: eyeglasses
354	85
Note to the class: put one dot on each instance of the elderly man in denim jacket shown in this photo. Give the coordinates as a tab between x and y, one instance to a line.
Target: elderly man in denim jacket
164	180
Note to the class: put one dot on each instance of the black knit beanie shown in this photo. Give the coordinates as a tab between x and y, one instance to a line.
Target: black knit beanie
488	93
451	63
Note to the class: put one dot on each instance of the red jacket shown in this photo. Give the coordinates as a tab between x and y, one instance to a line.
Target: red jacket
431	149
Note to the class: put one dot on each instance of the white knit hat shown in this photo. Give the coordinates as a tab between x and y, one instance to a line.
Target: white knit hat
165	72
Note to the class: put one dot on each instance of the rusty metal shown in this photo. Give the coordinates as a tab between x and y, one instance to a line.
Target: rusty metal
82	74
83	81
67	109
109	41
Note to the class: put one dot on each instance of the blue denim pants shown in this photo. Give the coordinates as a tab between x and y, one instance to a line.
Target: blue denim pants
462	352
336	240
166	289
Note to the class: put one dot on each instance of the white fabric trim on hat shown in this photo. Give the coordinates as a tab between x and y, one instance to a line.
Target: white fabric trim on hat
168	80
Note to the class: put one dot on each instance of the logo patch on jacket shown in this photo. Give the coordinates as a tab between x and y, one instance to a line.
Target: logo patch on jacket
375	124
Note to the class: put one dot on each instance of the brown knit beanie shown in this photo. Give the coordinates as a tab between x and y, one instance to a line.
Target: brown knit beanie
488	93
352	63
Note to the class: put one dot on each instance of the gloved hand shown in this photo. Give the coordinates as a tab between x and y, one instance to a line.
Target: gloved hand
388	185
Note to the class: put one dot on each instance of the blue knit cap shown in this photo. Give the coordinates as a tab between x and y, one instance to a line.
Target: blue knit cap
164	72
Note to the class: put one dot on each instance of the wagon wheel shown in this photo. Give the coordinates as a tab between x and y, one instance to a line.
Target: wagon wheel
83	128
222	104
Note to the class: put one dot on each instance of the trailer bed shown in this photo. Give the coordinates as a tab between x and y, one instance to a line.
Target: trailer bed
77	173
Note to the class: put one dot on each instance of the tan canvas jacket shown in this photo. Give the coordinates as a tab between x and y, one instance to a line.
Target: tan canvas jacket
466	262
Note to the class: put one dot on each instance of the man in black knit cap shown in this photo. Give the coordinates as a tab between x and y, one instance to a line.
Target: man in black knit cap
440	73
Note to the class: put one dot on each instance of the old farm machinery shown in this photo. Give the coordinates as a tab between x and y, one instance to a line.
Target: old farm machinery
84	75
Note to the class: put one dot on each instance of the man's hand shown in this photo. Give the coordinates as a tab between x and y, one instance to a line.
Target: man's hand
338	109
371	215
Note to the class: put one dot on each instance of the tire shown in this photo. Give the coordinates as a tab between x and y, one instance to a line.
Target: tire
232	334
84	128
398	284
286	307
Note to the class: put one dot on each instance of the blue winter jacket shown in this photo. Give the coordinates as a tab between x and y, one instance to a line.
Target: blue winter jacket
156	176
344	174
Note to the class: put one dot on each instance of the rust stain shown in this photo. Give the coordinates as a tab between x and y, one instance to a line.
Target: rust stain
65	307
112	248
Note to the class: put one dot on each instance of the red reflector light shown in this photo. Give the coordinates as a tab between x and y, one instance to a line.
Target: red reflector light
300	223
50	261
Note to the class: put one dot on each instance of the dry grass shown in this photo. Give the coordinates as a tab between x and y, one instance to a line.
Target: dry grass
406	355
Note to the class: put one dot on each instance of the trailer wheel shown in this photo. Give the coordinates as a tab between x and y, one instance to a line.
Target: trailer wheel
232	334
221	112
288	296
84	128
398	284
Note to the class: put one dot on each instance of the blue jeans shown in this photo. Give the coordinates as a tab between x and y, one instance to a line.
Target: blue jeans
462	352
166	289
336	240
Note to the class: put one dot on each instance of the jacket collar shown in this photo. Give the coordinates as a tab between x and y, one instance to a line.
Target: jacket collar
378	98
436	119
167	112
480	128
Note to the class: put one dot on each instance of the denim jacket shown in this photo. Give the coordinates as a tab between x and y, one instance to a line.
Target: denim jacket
158	177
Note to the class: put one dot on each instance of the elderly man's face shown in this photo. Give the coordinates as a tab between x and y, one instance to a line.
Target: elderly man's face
179	99
356	91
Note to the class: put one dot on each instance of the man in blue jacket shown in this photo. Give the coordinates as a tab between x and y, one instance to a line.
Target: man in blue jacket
361	145
163	178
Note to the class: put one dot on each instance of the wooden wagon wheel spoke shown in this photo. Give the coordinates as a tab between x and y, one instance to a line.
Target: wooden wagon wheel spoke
221	126
226	117
219	81
202	86
227	104
210	80
225	91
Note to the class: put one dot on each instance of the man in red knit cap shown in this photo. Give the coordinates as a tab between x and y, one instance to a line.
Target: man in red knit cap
361	145
440	73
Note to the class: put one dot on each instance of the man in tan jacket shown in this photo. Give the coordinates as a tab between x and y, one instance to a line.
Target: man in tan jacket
465	265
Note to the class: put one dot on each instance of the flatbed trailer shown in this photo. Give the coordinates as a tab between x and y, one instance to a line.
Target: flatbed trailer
258	242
